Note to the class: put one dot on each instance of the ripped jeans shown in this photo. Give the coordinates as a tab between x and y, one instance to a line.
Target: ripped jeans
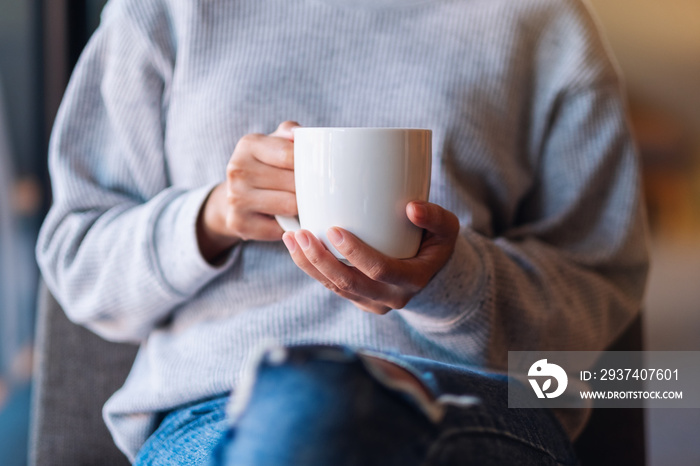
331	406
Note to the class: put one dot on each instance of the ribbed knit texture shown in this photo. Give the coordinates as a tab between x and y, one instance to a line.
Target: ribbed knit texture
531	151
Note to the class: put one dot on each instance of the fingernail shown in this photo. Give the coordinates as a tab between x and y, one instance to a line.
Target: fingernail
289	242
335	236
420	211
302	239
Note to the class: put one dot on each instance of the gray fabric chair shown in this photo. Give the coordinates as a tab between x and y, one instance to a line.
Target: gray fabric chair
77	371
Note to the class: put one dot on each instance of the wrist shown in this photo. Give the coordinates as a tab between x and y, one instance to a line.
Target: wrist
212	236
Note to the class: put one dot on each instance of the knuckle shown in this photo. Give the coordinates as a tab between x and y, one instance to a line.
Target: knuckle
238	184
314	259
380	310
349	249
235	199
235	171
244	144
364	307
378	271
331	286
287	126
347	284
252	138
247	142
361	306
372	308
400	302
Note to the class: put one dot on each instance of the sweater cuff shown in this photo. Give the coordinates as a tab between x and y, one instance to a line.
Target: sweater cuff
455	292
182	266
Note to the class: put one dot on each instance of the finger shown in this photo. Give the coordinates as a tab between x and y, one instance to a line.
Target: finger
436	220
441	230
303	263
269	150
262	176
284	130
372	307
347	279
369	261
251	172
256	227
263	201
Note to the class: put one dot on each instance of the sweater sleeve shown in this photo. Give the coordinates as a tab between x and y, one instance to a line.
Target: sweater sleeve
569	275
118	248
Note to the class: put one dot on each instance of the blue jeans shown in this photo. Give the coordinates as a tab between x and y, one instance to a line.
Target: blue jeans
325	406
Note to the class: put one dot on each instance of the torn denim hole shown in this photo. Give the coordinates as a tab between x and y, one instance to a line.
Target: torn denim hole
423	396
268	350
273	353
434	407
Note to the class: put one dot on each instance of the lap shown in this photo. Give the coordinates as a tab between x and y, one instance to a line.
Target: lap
321	405
187	435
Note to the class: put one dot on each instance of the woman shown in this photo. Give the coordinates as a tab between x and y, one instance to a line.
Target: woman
169	160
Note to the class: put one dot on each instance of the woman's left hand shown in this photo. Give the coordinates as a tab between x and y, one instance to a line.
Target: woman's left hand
378	283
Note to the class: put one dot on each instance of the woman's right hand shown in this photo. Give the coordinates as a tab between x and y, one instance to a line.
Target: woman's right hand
259	185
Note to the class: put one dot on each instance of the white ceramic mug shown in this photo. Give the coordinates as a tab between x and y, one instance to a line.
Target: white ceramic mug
361	179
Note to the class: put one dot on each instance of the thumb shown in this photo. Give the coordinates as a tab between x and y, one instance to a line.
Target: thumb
284	130
436	220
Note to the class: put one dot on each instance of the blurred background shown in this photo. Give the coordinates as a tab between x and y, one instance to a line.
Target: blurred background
657	43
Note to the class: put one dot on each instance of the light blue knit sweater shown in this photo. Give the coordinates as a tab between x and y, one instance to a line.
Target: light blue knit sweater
531	152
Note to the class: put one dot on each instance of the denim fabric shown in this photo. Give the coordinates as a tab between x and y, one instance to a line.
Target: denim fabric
322	406
187	436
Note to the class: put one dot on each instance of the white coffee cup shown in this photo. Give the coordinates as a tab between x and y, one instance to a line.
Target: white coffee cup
361	179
